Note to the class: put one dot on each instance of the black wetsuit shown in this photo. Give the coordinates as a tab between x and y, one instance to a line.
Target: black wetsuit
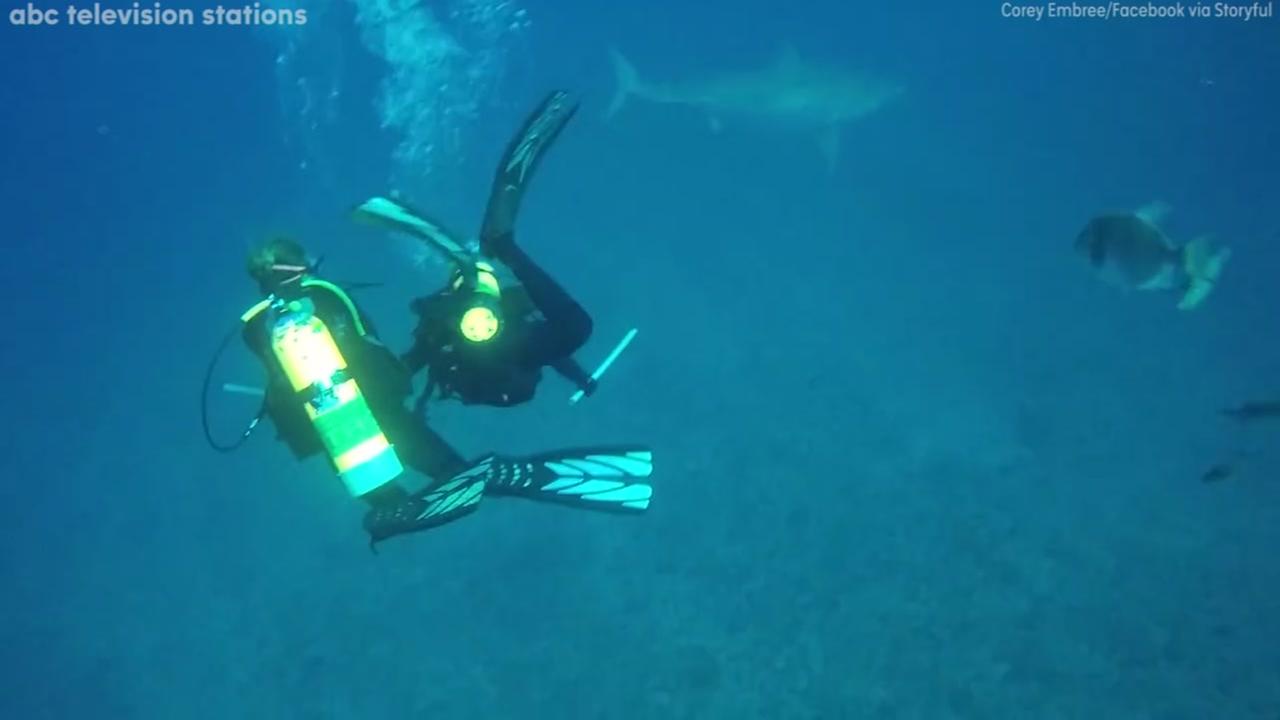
542	327
383	380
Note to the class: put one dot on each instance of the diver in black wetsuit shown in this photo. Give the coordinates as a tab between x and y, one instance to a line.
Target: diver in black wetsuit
285	274
334	388
540	326
482	343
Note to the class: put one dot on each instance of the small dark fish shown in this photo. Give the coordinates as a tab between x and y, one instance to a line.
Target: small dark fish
1218	473
1251	411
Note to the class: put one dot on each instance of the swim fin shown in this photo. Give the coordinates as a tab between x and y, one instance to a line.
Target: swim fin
428	508
518	164
600	478
396	215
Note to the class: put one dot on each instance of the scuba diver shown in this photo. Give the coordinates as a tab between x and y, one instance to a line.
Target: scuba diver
334	387
480	342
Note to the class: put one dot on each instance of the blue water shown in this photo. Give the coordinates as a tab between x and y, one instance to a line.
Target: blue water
914	461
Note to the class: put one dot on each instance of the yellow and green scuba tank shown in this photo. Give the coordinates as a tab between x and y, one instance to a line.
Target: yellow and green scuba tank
332	399
482	320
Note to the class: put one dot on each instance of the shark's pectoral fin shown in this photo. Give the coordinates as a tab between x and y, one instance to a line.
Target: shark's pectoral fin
714	124
829	145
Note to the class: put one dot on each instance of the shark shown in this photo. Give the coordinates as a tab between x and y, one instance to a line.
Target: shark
788	92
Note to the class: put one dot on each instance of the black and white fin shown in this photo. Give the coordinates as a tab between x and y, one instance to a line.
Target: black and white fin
598	478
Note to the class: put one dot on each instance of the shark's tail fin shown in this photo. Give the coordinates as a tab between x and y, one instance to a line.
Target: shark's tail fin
627	79
1203	265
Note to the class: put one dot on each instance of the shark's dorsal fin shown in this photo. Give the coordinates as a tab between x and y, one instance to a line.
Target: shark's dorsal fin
1153	212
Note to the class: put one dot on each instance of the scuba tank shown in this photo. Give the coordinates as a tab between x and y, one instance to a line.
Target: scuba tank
317	372
481	319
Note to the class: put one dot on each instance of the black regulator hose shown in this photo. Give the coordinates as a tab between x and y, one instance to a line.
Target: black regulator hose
204	401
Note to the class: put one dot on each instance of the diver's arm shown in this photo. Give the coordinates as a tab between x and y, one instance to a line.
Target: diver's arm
571	370
568	325
254	336
417	356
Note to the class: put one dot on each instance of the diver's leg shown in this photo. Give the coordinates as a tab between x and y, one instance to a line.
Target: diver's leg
429	454
420	447
386	496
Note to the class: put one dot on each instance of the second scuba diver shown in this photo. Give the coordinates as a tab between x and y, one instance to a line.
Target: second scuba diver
333	387
481	343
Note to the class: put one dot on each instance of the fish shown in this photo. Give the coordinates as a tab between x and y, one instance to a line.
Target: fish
1252	411
1129	250
788	92
1218	473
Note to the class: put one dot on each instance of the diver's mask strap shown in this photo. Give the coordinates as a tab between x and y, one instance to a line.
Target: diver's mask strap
293	273
296	273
